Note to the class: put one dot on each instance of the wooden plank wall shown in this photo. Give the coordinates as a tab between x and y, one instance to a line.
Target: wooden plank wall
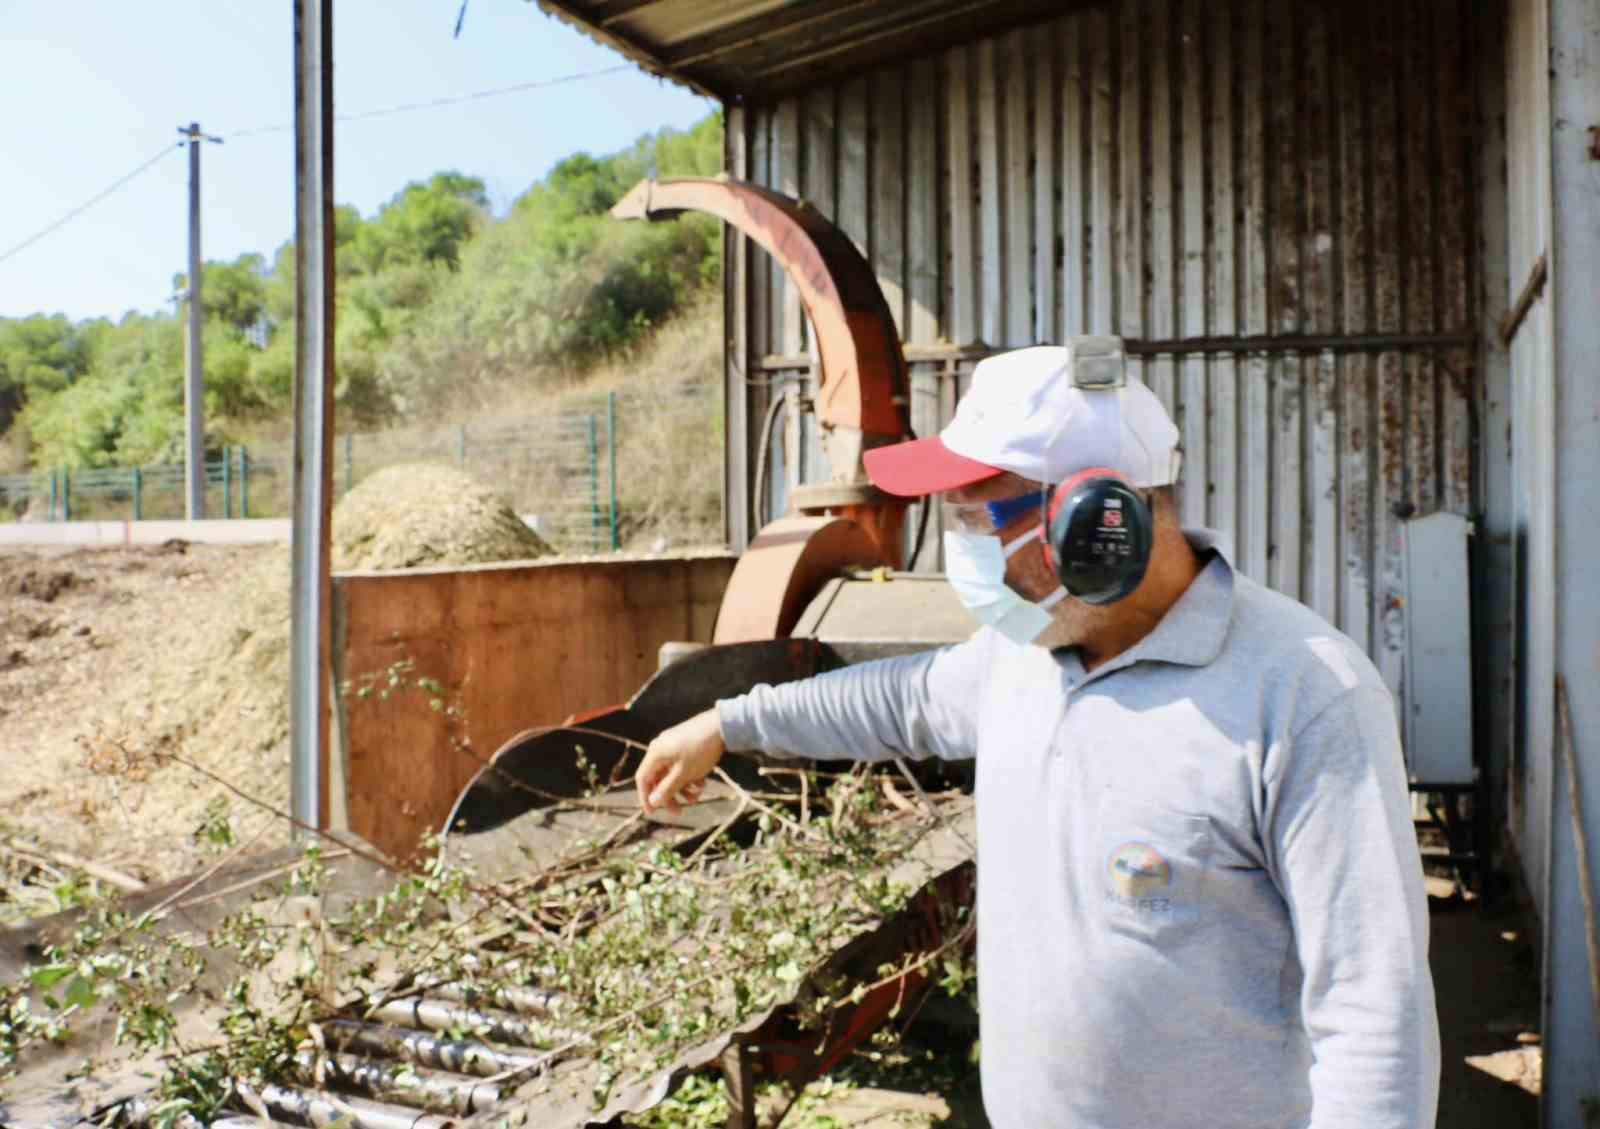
500	649
1178	170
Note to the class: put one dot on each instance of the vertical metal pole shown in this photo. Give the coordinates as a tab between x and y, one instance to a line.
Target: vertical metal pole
194	434
54	494
66	493
594	483
310	636
611	442
244	481
1563	632
138	494
227	481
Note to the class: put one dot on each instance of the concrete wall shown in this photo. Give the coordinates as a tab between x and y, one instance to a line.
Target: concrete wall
436	668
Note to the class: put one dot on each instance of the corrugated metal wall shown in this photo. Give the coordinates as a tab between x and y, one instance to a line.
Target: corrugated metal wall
1274	200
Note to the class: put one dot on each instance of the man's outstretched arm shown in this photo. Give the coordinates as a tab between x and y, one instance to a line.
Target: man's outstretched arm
912	706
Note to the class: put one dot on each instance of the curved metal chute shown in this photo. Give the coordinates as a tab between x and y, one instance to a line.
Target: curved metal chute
863	370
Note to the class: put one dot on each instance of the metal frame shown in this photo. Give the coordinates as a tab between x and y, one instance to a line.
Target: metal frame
1571	1024
310	633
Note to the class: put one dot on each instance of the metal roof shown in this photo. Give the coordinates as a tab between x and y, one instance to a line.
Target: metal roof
753	50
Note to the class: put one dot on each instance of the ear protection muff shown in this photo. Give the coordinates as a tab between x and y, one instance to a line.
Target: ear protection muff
1098	534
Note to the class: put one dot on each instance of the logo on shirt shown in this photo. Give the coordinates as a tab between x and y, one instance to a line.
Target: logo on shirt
1138	870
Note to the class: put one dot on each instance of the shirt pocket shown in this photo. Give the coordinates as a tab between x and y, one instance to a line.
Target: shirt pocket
1152	867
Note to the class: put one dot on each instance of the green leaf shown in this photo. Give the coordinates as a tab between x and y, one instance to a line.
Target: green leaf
80	993
50	975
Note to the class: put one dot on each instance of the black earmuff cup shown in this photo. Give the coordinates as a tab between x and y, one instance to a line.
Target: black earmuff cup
1100	535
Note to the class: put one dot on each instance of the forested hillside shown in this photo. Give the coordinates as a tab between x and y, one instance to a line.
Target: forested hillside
435	295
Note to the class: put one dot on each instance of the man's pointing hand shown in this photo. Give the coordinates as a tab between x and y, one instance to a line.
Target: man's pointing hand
677	761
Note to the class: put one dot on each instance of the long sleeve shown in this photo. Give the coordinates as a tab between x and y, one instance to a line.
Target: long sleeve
1344	854
912	706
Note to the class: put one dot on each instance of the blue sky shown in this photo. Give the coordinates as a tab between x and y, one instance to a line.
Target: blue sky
91	90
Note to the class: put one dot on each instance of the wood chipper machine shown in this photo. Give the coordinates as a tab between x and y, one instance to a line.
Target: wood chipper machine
818	588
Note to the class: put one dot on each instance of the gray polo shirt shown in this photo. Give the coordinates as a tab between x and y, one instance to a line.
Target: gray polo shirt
1200	900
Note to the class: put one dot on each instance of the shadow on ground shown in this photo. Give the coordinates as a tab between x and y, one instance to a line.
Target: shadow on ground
1486	977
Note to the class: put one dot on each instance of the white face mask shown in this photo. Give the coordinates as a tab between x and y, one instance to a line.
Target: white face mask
975	565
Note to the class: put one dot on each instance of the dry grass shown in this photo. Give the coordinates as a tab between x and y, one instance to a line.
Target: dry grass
14	451
526	437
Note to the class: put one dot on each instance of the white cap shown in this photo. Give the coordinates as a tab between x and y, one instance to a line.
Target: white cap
1044	413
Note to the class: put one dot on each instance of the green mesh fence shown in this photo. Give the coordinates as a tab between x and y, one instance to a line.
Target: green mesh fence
585	478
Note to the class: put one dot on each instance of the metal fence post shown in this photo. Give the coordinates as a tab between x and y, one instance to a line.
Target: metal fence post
244	481
611	443
66	493
227	481
138	494
349	464
461	445
594	481
53	493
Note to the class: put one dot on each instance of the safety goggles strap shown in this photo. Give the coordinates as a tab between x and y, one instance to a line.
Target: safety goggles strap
1007	510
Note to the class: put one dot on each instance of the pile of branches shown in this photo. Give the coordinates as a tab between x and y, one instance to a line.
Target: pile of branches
640	938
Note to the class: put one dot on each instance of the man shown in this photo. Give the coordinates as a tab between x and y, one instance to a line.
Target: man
1200	899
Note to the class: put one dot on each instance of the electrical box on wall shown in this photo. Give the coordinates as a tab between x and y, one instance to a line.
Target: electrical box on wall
1438	671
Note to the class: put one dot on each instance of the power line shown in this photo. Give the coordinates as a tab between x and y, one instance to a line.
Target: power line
87	204
403	108
453	100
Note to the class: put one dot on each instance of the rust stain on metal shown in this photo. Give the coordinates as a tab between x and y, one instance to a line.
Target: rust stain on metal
1531	289
864	389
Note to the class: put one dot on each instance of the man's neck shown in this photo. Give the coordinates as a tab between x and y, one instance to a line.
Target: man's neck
1173	567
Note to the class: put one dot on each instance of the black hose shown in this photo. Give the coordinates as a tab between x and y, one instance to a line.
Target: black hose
922	530
758	502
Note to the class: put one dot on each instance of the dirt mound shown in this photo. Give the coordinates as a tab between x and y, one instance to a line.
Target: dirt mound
190	656
423	514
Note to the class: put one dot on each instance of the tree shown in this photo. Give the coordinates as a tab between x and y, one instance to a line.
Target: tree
431	291
425	223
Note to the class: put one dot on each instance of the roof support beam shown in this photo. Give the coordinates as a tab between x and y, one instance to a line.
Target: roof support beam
765	26
610	13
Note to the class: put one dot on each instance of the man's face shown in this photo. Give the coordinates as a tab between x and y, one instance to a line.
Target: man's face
1028	572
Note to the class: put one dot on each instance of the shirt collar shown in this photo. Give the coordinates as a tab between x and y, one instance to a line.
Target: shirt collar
1194	629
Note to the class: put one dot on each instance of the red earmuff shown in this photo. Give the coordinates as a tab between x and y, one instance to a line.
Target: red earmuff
1098	534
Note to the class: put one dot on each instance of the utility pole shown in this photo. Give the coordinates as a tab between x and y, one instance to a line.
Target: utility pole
194	445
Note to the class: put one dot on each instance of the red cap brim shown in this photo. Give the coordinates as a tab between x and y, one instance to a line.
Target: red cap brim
923	466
